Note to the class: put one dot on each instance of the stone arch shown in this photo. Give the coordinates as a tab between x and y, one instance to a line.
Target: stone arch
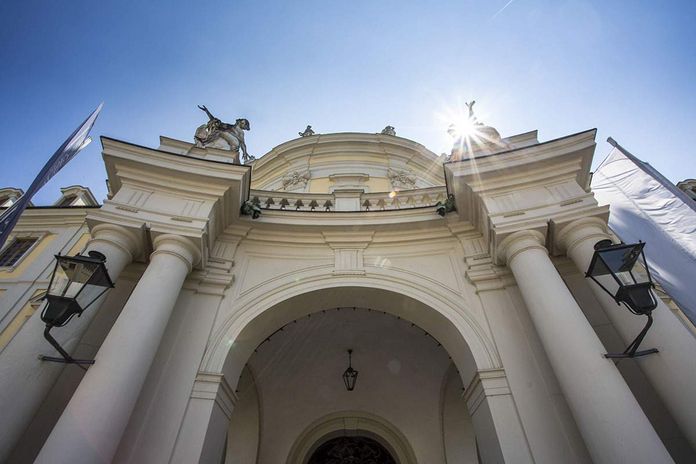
257	313
439	311
352	423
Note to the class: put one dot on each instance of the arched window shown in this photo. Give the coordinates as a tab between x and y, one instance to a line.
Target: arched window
351	450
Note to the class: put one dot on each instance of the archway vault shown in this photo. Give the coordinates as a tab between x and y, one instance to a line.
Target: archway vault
441	312
351	423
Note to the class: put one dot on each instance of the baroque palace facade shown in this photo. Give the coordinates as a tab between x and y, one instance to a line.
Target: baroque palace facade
458	285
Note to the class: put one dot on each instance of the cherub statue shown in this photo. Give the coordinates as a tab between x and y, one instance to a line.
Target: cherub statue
218	134
307	132
389	130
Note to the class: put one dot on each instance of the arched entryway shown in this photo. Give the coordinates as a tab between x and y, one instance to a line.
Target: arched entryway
351	450
443	319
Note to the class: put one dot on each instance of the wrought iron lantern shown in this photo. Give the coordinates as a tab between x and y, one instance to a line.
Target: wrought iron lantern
76	283
350	375
618	262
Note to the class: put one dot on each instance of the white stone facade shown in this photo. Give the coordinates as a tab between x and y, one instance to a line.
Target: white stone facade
476	336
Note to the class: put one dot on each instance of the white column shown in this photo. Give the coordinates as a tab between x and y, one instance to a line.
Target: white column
612	423
672	371
118	244
24	379
91	426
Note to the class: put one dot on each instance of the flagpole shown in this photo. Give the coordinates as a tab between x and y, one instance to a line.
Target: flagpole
67	151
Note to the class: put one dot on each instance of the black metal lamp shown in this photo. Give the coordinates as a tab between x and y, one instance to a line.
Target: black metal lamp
618	261
76	283
350	375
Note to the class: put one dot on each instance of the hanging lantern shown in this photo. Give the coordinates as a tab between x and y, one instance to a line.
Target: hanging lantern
76	283
350	375
636	295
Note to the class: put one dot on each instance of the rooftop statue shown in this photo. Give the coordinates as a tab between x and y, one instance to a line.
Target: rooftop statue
472	116
218	134
473	138
389	130
307	132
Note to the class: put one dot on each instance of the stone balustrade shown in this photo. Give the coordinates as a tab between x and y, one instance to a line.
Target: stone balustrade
379	201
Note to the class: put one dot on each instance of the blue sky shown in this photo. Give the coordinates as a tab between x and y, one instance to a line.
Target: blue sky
625	67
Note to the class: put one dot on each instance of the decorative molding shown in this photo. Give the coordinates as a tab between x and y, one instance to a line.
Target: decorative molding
484	275
213	386
518	242
580	230
485	383
342	422
181	247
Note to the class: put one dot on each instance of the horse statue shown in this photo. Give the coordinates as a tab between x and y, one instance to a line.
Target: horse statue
218	134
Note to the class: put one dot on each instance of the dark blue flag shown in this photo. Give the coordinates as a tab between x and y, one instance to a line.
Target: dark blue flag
77	140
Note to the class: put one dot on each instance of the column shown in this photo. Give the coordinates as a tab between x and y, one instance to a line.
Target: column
118	244
90	428
672	371
610	420
24	379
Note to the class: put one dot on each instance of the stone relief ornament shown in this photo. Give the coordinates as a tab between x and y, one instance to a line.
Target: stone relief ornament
296	178
218	134
389	130
401	179
307	132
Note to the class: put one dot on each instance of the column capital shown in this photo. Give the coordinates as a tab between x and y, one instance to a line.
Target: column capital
118	236
578	231
516	243
176	245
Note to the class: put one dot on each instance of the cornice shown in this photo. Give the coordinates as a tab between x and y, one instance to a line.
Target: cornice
540	150
53	217
140	163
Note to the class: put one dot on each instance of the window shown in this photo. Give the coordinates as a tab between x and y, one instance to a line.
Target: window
15	251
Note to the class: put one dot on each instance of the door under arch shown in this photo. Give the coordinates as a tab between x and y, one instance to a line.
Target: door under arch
351	450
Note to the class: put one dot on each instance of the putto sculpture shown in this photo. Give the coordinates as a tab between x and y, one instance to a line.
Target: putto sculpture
389	130
307	132
218	134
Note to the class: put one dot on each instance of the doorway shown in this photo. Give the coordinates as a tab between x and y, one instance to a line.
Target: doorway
351	450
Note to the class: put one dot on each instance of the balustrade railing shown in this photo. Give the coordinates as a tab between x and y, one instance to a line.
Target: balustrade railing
380	201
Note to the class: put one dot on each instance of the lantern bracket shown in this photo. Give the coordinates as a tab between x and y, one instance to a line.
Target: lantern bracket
66	358
631	350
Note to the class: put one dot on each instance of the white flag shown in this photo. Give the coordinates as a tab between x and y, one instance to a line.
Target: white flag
645	206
